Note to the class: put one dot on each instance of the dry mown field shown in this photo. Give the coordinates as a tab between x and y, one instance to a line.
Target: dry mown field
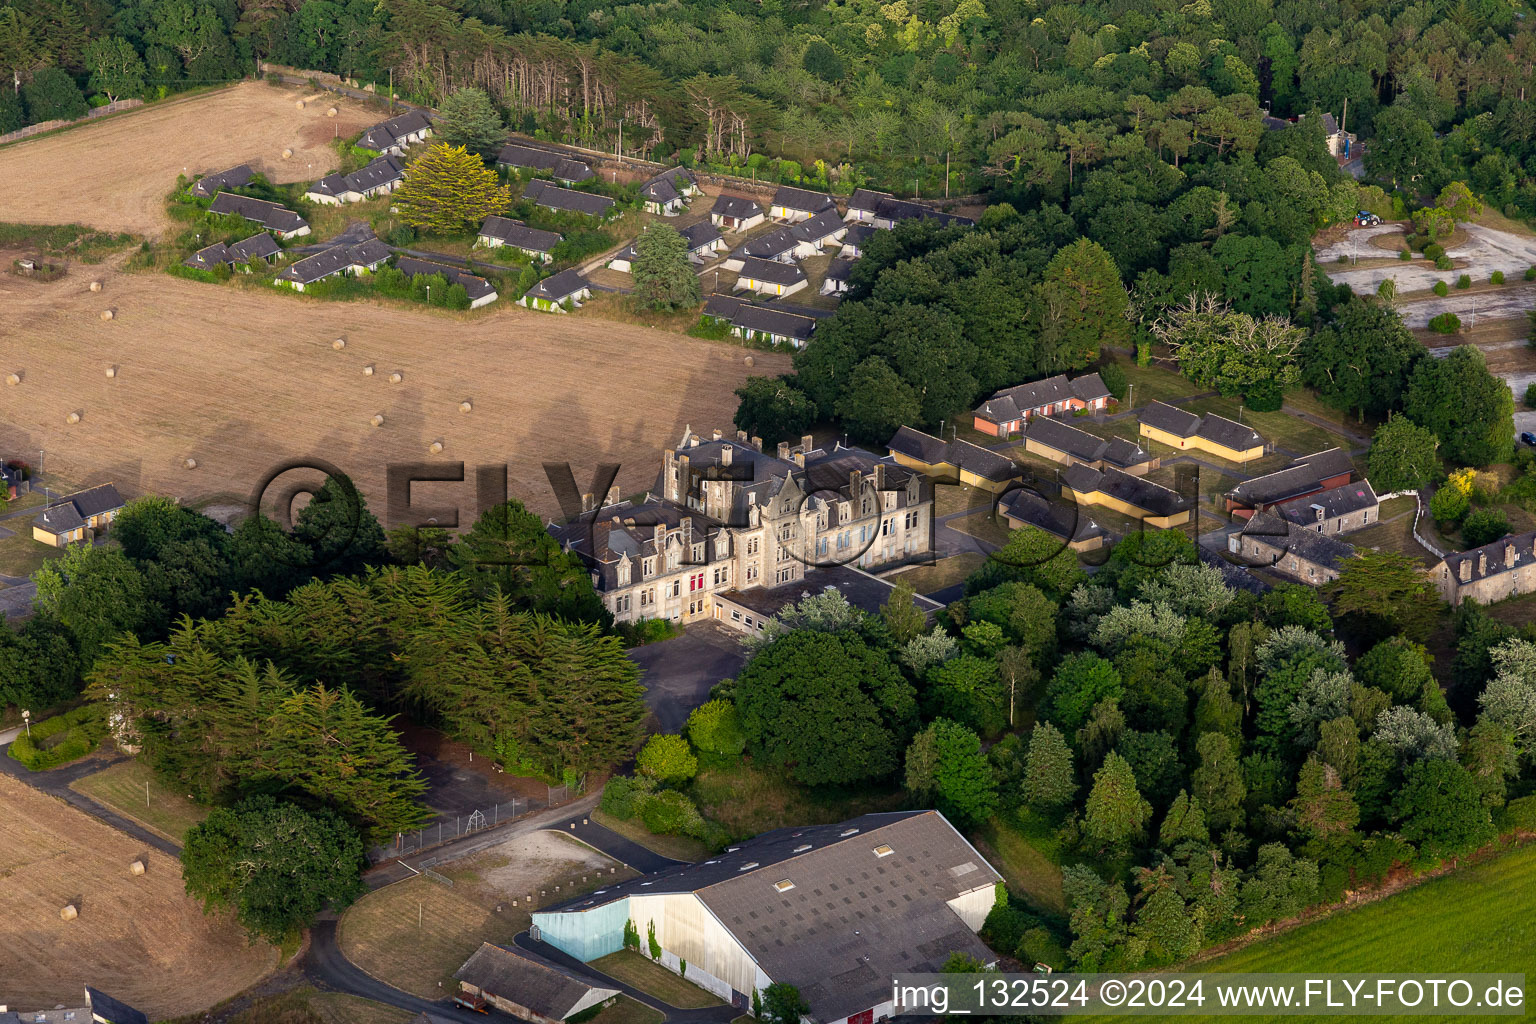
114	175
140	938
241	380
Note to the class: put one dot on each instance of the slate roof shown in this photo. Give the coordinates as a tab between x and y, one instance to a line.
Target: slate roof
660	190
378	172
1152	498
669	185
773	321
209	257
888	207
564	167
1012	403
72	511
1211	427
1334	502
235	177
1303	477
528	980
803	200
1170	419
112	1010
389	133
260	245
268	215
823	225
1069	522
1229	433
1523	546
772	245
700	235
556	198
858	234
723	306
628	530
1289	539
739	207
973	458
335	260
519	235
771	271
867	898
476	287
839	270
559	287
1065	439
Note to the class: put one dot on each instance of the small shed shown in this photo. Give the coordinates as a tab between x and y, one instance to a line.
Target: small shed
528	986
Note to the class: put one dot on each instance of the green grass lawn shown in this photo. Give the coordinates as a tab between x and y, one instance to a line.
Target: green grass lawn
959	497
676	847
1393	532
627	1011
1154	384
20	555
654	980
1027	870
749	800
1278	428
1478	919
983	526
121	787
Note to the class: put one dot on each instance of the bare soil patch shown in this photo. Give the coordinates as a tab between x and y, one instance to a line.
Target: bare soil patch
241	380
115	174
415	934
140	938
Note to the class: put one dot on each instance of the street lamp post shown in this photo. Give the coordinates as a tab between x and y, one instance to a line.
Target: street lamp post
26	718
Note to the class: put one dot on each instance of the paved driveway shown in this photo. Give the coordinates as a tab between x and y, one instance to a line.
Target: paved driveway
679	673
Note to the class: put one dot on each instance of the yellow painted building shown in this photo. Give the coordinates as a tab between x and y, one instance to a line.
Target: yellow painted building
970	464
1215	435
1153	504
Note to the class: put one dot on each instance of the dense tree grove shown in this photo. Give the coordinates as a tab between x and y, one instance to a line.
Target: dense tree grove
1204	761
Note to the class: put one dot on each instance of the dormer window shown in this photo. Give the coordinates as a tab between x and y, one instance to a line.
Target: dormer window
623	574
649	567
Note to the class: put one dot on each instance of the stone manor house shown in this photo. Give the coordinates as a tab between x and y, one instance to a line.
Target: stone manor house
731	517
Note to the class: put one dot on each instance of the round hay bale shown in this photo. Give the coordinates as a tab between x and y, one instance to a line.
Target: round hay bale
287	154
396	377
300	104
368	370
435	447
331	112
111	372
73	417
107	314
95	286
69	913
378	419
13	379
189	463
136	868
339	344
750	361
464	406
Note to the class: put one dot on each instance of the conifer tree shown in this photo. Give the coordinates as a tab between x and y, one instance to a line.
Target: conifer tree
664	278
448	190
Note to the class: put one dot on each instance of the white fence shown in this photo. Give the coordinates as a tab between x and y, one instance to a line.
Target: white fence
48	126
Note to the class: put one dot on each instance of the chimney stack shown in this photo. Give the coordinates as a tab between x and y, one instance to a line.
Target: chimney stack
784	450
807	443
1465	570
1510	555
879	476
613	495
855	484
741	435
725	456
757	443
588	501
716	434
1482	563
659	533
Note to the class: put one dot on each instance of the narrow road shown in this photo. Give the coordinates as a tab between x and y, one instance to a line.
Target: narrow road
56	784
